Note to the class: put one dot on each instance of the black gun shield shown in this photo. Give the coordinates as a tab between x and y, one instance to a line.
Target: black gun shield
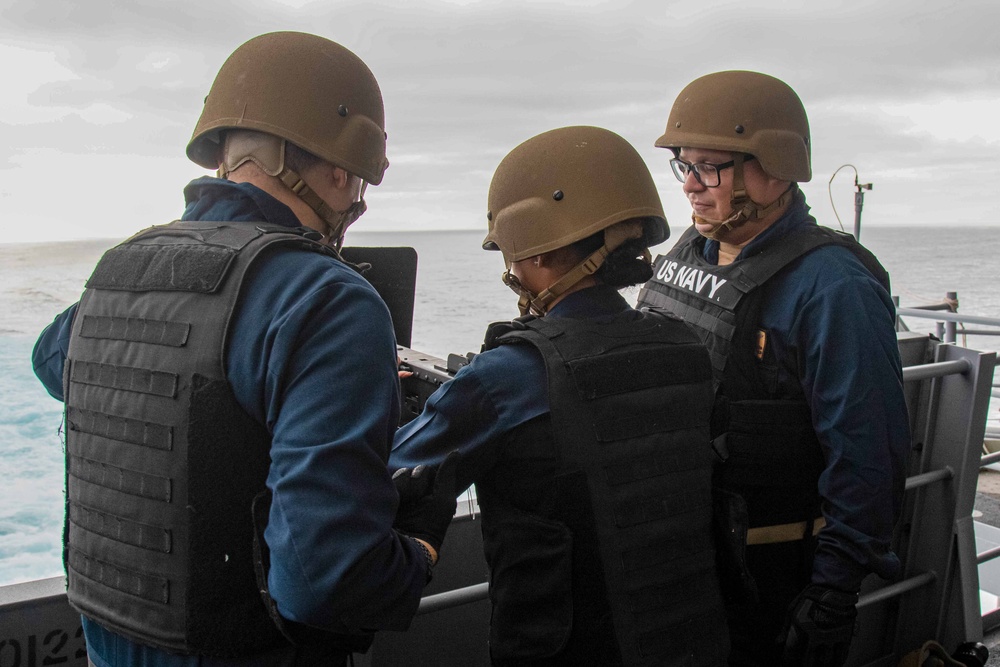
393	274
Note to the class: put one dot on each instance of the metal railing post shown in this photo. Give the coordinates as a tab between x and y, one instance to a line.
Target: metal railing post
950	335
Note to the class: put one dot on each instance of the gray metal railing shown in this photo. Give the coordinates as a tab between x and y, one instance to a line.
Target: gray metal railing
948	322
938	593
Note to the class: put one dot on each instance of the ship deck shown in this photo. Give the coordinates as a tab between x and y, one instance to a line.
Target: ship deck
987	513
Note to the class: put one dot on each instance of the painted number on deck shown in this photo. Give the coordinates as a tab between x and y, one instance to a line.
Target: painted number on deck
55	648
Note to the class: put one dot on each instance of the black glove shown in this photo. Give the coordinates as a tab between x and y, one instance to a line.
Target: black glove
426	500
819	627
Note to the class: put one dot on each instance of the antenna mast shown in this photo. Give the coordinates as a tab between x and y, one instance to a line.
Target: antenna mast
859	199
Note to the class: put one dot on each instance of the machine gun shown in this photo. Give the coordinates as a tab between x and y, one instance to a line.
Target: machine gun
393	274
429	373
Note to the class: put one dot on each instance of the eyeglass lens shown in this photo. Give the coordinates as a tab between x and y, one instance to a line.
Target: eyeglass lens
705	173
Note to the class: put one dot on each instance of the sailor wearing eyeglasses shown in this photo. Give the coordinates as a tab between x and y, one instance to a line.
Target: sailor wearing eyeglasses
810	424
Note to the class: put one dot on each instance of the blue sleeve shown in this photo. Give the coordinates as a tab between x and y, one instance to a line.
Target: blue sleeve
51	348
312	356
843	341
501	389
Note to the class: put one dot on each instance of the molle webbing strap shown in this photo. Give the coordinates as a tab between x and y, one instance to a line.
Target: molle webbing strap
122	429
130	482
663	597
645	510
139	380
136	330
146	586
142	535
674	458
616	428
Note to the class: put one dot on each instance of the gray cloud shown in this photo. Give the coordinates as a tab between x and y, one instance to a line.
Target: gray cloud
464	82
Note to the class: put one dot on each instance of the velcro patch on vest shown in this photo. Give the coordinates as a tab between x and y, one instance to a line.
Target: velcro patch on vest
696	280
125	378
130	482
146	586
155	268
633	370
147	434
142	535
135	330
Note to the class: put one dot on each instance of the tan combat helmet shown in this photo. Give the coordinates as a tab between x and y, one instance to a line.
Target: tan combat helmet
300	88
563	186
746	113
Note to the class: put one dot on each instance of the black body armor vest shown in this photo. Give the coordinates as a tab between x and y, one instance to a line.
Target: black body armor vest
597	518
163	466
773	459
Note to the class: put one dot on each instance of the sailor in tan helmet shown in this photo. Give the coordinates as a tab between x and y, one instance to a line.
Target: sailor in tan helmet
231	395
810	414
302	119
584	424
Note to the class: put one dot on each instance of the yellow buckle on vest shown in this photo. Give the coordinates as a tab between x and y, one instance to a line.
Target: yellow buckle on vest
785	532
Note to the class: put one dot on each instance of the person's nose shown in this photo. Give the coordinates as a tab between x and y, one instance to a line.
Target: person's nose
691	183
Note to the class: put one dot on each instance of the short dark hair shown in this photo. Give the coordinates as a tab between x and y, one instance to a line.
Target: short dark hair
624	266
298	159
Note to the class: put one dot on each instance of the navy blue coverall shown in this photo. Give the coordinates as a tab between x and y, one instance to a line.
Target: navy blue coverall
311	356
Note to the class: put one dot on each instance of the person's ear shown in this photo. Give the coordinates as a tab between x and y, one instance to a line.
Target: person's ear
339	178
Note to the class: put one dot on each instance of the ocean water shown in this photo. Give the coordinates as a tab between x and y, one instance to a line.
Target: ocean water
458	293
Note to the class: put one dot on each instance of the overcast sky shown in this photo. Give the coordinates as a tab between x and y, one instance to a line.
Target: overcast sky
100	97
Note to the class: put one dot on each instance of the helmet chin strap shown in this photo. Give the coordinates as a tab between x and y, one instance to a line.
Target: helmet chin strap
335	223
268	152
539	304
744	209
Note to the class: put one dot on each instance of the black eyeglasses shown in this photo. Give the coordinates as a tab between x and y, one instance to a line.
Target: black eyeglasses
705	173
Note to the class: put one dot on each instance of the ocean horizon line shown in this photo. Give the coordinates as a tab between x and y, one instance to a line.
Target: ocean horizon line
439	230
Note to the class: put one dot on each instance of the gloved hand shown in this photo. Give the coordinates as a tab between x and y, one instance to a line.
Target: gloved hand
426	500
819	627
